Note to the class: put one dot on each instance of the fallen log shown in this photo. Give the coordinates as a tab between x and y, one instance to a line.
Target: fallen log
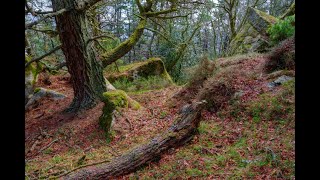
178	134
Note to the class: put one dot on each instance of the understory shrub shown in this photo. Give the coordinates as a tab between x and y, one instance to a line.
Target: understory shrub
203	71
216	92
281	56
282	29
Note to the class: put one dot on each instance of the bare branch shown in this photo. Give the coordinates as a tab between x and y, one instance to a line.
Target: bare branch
43	12
139	16
103	48
172	17
153	14
43	56
141	9
28	26
125	46
98	37
153	20
162	35
50	32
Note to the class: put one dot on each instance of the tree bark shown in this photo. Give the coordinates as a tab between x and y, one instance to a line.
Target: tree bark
85	70
126	46
178	134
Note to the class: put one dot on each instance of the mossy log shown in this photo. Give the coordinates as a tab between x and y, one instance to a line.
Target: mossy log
150	67
178	134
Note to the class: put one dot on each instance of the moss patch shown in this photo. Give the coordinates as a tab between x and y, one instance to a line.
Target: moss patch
114	101
116	98
151	67
36	90
134	104
260	21
265	16
242	43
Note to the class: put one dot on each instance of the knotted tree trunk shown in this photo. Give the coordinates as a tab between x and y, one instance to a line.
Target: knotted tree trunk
85	70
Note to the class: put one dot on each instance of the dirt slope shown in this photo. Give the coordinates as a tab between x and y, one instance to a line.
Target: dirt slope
250	137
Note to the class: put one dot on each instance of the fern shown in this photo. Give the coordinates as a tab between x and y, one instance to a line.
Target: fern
282	29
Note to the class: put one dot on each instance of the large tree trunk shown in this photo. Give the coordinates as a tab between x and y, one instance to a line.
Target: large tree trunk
85	70
178	134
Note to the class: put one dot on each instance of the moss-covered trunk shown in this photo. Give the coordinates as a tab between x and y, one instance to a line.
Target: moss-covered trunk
85	70
31	73
123	48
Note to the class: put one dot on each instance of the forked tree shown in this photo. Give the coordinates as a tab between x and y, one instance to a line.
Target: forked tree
83	64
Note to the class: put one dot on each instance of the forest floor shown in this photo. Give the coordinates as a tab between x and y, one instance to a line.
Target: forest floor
250	137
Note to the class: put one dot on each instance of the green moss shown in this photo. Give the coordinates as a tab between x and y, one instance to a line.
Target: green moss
166	76
130	66
237	45
146	75
194	172
290	11
150	67
114	100
36	90
127	45
265	16
134	104
279	107
32	70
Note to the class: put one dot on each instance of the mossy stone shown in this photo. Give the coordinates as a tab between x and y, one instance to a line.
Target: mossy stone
260	21
151	67
253	35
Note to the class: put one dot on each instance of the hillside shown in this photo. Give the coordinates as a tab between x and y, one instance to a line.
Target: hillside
251	135
159	89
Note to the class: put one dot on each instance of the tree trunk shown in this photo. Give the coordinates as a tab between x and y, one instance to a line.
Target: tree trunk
178	134
151	42
214	39
123	48
181	51
85	70
232	27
